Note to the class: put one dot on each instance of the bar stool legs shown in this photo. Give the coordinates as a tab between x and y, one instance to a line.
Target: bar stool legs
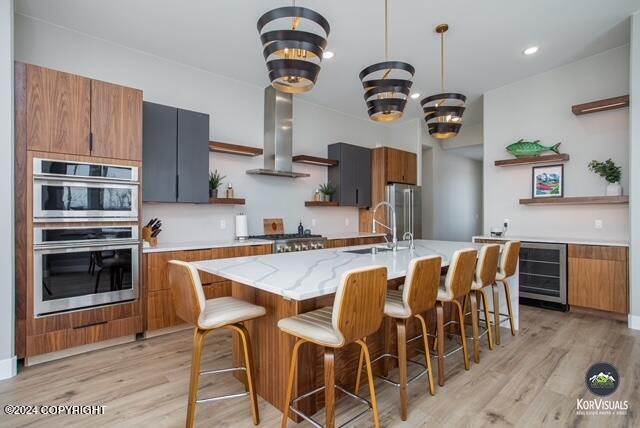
485	304
496	308
440	338
401	327
196	359
427	356
473	300
196	362
292	379
329	383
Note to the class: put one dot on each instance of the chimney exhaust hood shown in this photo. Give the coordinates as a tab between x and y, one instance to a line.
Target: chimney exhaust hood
278	135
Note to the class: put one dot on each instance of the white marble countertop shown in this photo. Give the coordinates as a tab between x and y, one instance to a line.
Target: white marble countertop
200	245
308	274
556	240
352	235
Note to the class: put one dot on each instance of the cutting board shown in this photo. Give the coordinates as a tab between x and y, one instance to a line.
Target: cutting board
273	226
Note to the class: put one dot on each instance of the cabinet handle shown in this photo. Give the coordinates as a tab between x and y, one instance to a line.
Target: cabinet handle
90	324
356	196
177	185
90	141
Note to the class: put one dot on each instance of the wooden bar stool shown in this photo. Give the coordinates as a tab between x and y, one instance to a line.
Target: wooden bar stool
486	270
206	316
506	269
416	297
357	312
456	285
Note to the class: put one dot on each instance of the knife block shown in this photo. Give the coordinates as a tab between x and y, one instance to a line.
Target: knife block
146	235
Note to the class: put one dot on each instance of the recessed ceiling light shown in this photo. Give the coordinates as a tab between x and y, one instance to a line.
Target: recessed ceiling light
327	54
415	95
531	50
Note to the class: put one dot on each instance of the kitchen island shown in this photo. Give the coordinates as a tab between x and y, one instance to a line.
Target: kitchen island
293	283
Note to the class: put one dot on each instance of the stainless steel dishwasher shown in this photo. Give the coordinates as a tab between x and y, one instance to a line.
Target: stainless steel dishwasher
543	274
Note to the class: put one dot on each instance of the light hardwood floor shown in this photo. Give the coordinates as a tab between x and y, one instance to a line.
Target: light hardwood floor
533	379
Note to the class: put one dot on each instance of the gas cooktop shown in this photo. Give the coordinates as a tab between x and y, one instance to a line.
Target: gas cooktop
289	242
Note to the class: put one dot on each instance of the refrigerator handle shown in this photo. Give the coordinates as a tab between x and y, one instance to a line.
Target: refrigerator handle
411	211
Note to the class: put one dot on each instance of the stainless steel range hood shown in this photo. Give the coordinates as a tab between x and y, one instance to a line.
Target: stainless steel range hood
278	135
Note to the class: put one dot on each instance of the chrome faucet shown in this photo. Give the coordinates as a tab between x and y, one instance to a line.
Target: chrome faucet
404	237
393	229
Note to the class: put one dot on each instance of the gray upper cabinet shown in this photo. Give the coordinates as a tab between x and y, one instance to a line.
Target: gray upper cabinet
352	175
193	157
175	155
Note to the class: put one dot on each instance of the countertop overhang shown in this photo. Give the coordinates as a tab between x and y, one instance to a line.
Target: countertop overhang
309	274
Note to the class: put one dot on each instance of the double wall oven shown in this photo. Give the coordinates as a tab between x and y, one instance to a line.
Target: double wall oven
76	265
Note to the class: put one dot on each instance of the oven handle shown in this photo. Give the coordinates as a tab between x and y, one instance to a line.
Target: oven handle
56	177
103	245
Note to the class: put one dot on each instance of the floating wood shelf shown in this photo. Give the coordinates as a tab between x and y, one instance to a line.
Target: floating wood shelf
601	105
312	160
533	160
234	149
227	201
578	200
321	204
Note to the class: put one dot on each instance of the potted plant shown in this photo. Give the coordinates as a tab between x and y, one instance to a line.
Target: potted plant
215	180
327	189
611	172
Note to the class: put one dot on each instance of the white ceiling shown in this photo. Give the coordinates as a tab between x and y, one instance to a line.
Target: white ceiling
484	44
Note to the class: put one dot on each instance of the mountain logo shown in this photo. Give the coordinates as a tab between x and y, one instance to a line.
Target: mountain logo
602	379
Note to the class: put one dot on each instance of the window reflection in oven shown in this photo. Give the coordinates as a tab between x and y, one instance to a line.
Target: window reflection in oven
74	274
71	198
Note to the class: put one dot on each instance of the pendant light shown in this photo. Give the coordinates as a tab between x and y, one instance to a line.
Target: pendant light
293	56
386	84
443	111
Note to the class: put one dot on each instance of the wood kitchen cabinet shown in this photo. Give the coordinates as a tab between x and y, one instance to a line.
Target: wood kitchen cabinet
75	115
400	166
352	175
599	278
160	313
176	155
58	110
116	121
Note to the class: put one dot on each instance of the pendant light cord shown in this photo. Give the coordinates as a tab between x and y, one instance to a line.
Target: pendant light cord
386	30
442	60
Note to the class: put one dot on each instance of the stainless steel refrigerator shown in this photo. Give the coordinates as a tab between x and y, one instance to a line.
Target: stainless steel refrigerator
407	202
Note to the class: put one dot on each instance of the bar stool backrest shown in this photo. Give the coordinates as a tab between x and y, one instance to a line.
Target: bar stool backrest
509	259
186	289
487	266
461	271
422	283
358	308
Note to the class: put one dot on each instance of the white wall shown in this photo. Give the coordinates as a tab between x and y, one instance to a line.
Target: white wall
540	108
452	197
7	241
634	315
236	111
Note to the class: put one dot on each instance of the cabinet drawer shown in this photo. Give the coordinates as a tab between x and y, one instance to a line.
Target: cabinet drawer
598	278
160	307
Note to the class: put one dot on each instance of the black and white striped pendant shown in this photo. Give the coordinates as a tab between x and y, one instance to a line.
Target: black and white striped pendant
293	56
386	89
443	114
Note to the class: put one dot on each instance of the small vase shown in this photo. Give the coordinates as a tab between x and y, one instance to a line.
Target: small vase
213	193
326	198
614	189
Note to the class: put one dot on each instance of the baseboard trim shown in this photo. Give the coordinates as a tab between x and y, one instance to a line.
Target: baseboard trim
56	355
167	330
634	322
8	367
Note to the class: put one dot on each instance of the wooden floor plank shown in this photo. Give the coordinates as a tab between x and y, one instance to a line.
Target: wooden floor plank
533	379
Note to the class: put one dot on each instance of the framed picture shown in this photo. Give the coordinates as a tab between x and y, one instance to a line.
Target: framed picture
548	181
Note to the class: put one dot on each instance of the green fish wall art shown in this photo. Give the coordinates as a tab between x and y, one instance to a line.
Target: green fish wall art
523	149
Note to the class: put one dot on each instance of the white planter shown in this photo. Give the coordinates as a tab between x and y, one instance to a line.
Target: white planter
614	189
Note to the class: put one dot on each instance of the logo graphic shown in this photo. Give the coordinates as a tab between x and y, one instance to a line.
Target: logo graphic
602	379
